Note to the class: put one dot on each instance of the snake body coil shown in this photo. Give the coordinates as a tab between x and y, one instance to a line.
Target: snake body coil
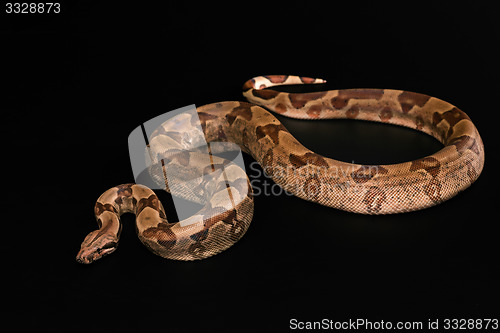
227	196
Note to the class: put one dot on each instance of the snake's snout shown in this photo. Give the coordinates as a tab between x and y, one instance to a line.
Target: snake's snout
83	259
96	246
89	255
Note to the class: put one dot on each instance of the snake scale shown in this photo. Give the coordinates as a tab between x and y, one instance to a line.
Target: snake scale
226	196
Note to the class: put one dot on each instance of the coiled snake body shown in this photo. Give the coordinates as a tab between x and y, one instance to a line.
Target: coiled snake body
226	195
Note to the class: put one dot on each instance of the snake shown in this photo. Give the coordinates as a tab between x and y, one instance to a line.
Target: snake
225	192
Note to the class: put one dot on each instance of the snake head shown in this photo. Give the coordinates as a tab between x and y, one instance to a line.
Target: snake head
95	246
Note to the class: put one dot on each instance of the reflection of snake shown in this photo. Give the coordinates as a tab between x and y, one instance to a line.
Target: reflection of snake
226	195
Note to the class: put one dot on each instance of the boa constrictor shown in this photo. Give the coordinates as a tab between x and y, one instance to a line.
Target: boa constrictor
226	195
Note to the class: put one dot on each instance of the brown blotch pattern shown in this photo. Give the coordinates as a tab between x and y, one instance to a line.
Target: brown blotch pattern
125	190
220	134
366	93
217	214
339	103
99	208
240	111
271	130
200	236
465	142
162	234
408	100
197	250
312	187
367	172
430	164
280	108
276	78
265	94
308	158
314	111
452	117
152	202
386	114
182	157
353	112
306	80
344	96
203	118
300	100
248	85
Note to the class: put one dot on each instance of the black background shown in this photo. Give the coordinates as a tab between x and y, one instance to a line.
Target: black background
77	83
